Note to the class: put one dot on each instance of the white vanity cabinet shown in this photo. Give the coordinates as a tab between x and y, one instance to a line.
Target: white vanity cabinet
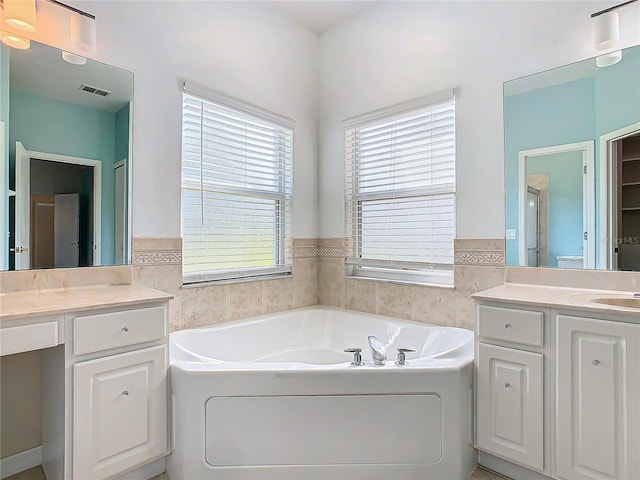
510	379
104	358
119	400
598	398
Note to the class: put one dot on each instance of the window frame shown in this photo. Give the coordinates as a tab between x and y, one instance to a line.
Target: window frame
426	273
283	198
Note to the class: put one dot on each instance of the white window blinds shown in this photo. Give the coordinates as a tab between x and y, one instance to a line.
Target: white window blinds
400	190
236	192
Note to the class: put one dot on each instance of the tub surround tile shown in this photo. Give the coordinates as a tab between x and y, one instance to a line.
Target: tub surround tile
27	280
469	280
167	278
243	300
277	295
305	248
203	306
479	252
305	282
432	305
156	251
393	300
360	295
331	288
589	279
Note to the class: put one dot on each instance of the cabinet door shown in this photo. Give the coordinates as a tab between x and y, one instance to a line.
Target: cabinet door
119	412
598	392
510	411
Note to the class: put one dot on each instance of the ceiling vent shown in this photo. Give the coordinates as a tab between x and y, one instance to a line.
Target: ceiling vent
94	90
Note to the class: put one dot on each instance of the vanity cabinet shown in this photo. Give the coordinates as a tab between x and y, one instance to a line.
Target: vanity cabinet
598	398
118	361
557	384
510	383
120	412
104	357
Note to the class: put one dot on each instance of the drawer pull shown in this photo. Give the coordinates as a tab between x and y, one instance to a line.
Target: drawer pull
507	385
507	325
125	393
596	362
125	329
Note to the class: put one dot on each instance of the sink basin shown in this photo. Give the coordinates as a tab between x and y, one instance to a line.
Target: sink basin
625	302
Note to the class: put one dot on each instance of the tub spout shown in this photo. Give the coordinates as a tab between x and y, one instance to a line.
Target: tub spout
378	352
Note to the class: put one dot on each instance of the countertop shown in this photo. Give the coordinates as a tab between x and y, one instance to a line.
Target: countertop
557	297
62	300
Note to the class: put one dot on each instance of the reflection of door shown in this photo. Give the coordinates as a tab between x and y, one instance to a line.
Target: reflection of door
67	230
532	227
120	213
23	169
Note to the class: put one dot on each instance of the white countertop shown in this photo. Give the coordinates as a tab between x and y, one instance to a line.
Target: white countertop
558	297
62	300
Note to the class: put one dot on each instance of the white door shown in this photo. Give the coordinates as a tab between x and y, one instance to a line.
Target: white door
23	179
510	412
120	412
67	230
120	214
598	392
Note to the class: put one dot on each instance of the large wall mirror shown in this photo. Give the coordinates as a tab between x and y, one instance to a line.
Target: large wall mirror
572	165
65	133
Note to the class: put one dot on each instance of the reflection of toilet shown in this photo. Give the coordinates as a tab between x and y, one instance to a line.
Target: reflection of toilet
567	261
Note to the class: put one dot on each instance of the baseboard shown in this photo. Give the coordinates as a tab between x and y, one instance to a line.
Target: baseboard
508	469
20	462
147	471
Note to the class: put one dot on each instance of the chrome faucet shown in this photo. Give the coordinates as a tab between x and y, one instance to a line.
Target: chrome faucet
378	352
636	295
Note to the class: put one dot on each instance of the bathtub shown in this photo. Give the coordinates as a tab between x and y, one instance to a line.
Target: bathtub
276	397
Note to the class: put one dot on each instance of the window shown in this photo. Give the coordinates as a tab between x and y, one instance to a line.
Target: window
400	188
236	189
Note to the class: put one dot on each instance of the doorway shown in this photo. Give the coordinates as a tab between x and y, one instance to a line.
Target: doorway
620	193
57	211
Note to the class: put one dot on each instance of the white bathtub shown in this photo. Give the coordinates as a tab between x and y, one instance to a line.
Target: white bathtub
275	397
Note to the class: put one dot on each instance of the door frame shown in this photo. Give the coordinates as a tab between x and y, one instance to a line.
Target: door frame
122	164
607	189
588	196
97	192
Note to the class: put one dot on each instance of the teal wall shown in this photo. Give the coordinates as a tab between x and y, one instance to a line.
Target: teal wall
565	201
46	125
576	111
4	116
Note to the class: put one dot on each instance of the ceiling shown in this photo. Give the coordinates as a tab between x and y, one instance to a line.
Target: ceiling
320	15
42	71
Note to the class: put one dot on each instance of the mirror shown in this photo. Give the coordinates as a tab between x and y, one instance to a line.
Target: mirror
65	133
572	165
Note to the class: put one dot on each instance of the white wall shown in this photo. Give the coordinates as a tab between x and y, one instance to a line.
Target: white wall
242	49
396	51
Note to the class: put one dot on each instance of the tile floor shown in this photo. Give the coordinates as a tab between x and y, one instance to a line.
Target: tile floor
37	474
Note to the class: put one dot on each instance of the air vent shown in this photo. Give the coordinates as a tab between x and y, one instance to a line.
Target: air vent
94	90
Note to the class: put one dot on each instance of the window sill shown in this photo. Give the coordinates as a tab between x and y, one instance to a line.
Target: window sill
400	282
231	281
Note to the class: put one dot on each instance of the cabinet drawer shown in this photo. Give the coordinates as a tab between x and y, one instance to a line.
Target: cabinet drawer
94	333
24	338
511	325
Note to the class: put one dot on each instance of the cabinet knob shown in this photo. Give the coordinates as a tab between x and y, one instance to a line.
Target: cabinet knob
125	329
125	393
507	385
596	362
507	325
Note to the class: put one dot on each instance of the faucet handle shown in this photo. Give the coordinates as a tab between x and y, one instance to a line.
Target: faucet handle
357	358
401	355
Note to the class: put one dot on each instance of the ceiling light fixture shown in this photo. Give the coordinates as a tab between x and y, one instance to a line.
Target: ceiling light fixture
82	28
15	41
606	26
20	14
